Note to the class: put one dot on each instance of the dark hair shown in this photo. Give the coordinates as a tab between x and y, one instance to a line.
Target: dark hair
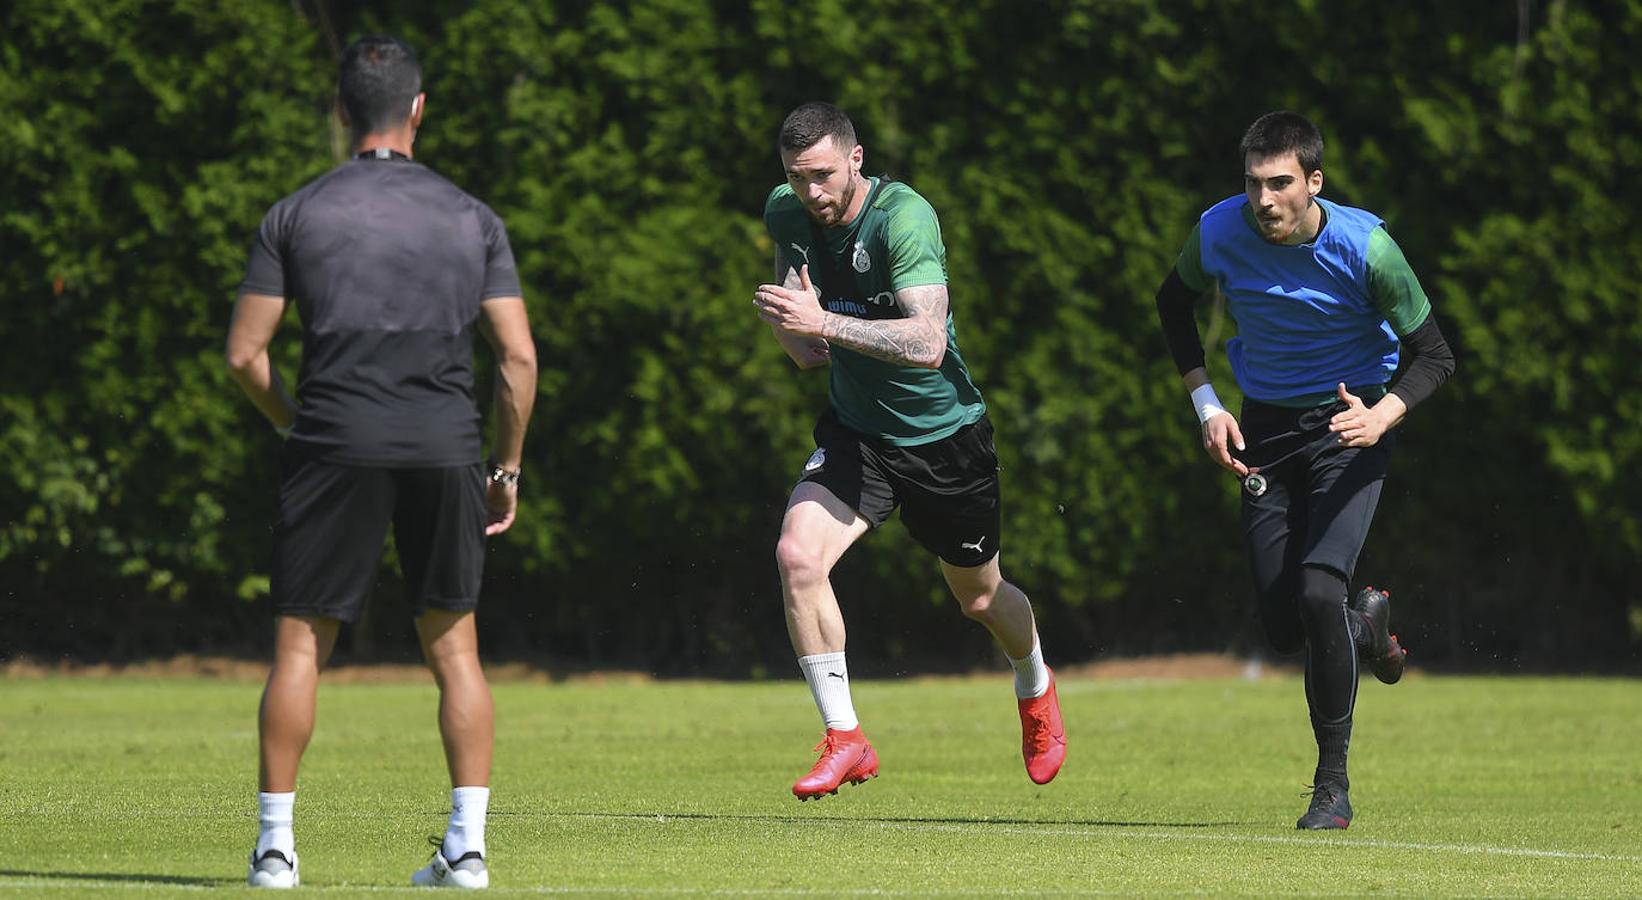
813	121
379	79
1280	132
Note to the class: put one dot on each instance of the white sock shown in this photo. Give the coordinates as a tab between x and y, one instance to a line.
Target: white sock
829	682
274	815
1031	675
466	831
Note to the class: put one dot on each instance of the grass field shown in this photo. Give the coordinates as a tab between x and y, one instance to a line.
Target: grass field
1463	787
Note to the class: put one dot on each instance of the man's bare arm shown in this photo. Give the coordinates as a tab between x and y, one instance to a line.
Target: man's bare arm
256	318
806	351
507	329
919	339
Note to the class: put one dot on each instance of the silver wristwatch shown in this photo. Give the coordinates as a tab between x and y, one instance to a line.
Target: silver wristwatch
499	475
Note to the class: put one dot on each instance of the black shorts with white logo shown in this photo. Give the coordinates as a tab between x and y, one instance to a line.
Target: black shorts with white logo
947	489
332	522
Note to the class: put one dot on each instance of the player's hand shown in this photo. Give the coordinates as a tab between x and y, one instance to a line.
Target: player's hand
1220	435
501	502
798	311
1359	425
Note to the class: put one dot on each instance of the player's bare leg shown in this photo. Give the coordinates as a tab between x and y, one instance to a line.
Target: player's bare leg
285	723
817	530
467	724
467	716
986	597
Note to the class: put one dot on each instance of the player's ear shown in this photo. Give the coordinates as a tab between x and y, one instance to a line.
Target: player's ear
856	156
342	111
1314	184
417	104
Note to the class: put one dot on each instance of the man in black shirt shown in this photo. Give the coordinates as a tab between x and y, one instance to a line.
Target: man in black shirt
392	269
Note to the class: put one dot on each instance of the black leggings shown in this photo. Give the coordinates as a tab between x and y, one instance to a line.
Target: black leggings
1304	535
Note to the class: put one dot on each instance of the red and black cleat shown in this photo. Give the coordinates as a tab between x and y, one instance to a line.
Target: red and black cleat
1385	654
1330	808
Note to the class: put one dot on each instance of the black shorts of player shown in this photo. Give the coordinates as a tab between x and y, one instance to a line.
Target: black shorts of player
947	489
333	520
1320	497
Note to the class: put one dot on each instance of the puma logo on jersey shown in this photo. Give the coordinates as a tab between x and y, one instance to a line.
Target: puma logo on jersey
976	546
802	251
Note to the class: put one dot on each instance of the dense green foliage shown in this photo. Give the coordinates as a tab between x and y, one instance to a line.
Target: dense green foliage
1515	787
1067	147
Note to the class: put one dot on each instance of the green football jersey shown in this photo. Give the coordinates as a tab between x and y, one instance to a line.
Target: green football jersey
894	243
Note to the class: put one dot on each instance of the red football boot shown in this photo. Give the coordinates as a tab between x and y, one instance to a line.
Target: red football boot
845	756
1043	735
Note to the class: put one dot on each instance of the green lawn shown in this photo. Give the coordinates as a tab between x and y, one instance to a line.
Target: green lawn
1463	787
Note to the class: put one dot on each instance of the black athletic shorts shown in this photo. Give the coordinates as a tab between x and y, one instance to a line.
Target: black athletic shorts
332	522
1320	497
947	489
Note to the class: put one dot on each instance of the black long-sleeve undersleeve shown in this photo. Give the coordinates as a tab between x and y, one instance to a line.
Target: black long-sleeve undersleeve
1174	310
1432	363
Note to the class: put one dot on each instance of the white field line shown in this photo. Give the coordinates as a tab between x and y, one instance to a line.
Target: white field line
72	884
75	887
1311	841
1126	832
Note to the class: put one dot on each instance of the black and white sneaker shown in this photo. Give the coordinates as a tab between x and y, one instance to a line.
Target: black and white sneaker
273	870
1330	807
467	871
1385	654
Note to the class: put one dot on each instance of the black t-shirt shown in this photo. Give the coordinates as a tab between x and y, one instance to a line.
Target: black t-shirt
388	264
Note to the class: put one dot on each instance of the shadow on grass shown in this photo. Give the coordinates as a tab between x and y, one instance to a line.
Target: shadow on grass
893	820
121	877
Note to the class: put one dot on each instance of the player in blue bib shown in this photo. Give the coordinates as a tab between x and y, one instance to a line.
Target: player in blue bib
1325	305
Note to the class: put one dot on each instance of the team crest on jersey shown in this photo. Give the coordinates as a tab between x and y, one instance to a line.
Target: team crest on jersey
862	261
816	461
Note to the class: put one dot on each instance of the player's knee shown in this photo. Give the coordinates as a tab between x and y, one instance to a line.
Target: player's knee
799	562
977	605
1322	594
455	668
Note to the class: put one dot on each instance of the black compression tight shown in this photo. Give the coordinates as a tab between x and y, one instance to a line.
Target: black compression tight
1309	613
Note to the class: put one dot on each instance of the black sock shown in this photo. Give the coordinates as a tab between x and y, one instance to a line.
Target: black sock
1333	742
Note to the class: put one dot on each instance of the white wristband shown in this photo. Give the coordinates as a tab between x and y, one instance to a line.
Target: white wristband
1207	404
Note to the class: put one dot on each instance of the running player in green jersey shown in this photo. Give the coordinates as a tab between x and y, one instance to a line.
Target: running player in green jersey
861	284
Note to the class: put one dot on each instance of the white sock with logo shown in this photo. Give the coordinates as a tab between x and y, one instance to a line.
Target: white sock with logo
274	815
466	831
1031	675
830	686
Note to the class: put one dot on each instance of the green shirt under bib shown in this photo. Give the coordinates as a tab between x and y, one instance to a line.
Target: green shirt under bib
894	243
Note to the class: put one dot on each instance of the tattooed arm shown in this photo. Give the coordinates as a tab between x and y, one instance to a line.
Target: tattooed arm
919	339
